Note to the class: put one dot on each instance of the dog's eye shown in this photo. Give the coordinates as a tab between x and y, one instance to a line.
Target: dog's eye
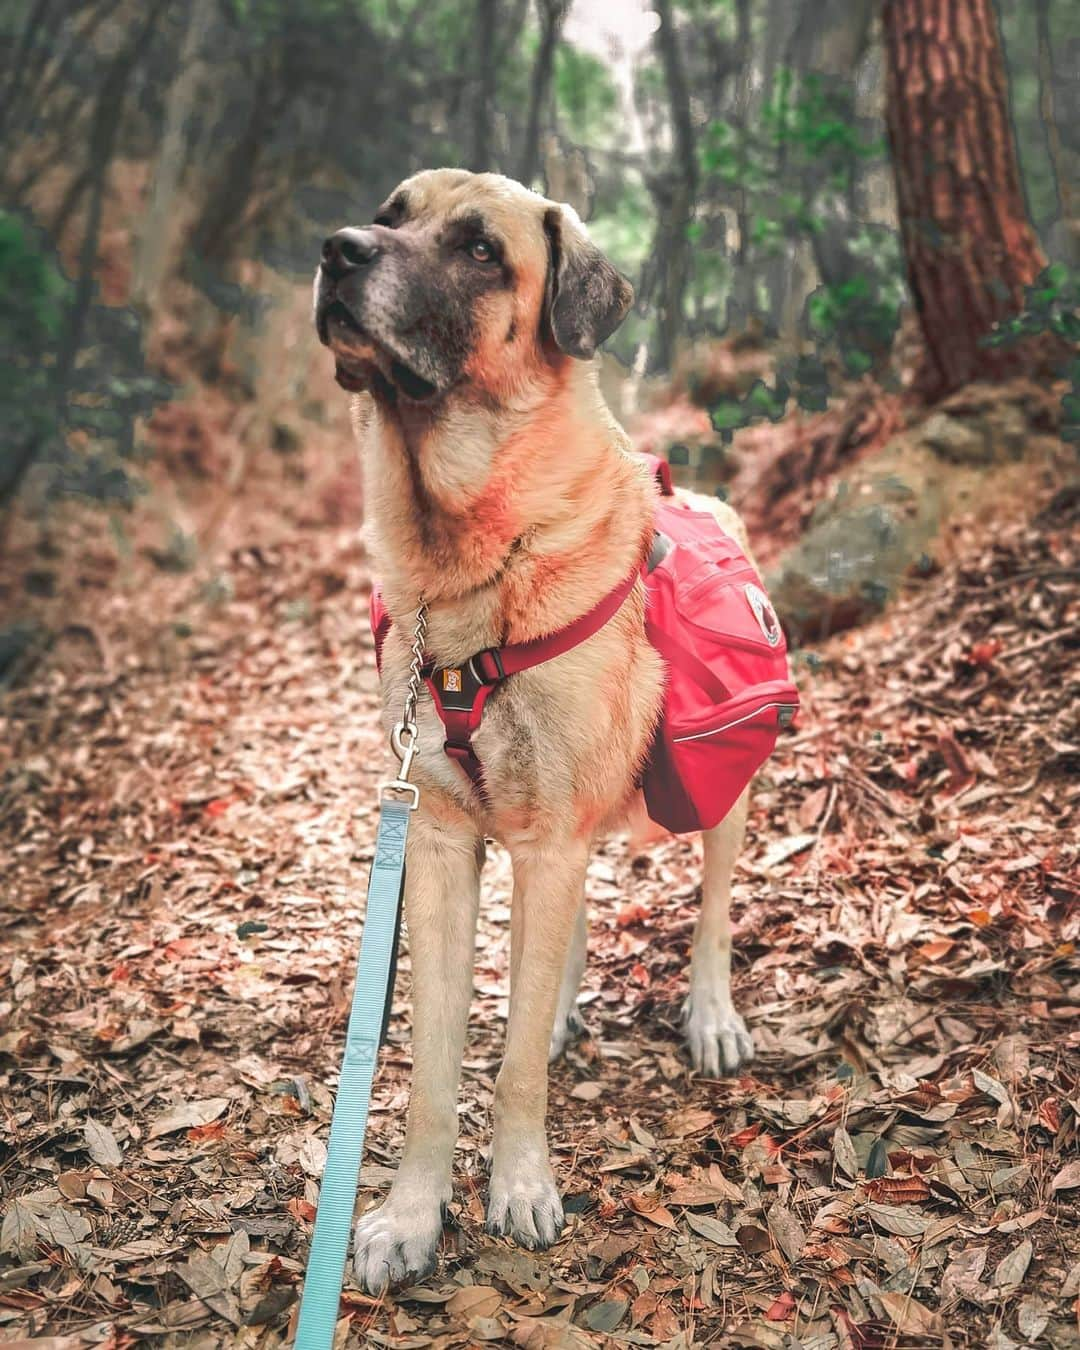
481	251
384	219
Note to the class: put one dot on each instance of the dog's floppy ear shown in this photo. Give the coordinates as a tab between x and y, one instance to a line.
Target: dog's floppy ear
586	297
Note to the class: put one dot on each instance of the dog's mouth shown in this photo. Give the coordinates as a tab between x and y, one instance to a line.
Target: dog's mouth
337	327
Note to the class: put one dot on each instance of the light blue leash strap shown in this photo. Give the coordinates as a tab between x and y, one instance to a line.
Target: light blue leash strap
370	1003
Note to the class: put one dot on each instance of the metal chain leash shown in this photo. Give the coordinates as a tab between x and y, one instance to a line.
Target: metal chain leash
403	736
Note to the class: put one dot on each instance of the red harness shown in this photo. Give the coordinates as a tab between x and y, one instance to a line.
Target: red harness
460	692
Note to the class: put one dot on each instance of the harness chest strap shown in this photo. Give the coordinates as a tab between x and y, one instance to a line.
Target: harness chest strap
460	692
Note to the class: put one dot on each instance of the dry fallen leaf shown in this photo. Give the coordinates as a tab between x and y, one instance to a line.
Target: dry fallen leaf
789	1233
101	1144
910	1317
475	1300
649	1207
1068	1178
1012	1268
903	1221
844	1152
186	1115
712	1229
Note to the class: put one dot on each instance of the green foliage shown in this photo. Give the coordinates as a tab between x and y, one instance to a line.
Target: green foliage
759	403
816	123
621	224
1052	305
585	96
33	301
792	170
857	318
1052	309
807	136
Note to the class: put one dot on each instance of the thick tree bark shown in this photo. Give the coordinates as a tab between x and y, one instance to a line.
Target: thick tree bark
552	17
969	246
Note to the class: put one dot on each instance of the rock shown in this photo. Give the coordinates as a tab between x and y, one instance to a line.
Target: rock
886	519
849	564
958	440
1009	431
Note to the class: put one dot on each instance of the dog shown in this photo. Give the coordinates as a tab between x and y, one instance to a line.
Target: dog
500	489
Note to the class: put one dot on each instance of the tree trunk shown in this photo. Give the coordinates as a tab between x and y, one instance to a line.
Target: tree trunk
1048	114
741	299
106	124
782	21
483	108
34	27
969	247
552	17
675	193
108	112
830	42
157	230
229	190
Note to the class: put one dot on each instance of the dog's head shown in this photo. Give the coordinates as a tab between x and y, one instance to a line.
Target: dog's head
463	281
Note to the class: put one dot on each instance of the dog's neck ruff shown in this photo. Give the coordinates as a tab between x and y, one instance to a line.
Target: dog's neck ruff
460	692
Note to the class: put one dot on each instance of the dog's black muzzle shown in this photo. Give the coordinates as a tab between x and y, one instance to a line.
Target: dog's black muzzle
347	257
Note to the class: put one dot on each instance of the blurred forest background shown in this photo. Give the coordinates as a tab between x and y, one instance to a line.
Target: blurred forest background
854	230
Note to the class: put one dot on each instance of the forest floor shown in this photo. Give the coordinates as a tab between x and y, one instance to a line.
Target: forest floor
187	788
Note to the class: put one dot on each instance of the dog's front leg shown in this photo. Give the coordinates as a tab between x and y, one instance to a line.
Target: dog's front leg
548	882
441	898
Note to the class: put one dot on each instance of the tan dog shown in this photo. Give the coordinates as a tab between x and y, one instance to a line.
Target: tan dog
499	488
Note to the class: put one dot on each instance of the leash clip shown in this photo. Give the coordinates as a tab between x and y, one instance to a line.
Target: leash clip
406	752
406	749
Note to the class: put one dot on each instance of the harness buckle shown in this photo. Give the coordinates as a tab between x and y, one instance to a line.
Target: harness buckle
476	666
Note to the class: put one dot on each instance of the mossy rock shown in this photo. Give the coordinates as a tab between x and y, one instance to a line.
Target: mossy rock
885	521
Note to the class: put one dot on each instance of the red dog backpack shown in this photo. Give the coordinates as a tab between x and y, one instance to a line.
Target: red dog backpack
728	690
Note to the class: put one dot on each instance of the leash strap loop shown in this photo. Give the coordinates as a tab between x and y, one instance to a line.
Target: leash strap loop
367	1022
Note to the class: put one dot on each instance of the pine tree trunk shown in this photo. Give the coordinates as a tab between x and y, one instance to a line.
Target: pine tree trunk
969	246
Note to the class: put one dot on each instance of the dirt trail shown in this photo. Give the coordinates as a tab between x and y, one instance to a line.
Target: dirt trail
187	816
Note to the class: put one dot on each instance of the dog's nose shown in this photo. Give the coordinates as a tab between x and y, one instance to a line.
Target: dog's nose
347	250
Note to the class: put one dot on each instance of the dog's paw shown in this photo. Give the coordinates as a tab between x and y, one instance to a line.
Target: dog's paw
396	1242
716	1037
526	1207
567	1030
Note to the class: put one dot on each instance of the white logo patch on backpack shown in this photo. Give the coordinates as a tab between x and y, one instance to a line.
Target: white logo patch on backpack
764	613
